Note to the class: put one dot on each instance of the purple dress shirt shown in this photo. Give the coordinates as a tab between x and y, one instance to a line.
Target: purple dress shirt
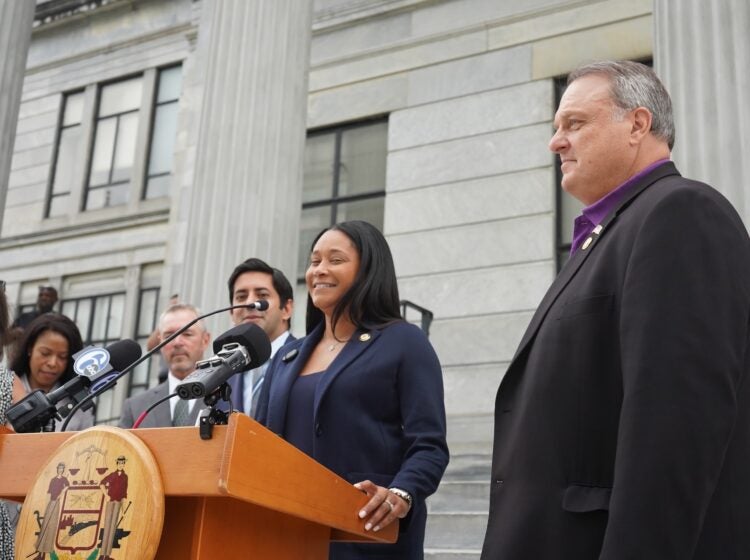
594	214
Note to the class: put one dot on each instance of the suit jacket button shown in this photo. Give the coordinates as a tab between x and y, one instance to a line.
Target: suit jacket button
318	430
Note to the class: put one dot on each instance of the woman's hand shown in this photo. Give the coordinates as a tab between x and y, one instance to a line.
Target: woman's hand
383	508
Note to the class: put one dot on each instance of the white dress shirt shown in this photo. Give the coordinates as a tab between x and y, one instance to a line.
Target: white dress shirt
248	388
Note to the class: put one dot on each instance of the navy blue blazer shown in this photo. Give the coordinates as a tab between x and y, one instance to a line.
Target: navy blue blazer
378	414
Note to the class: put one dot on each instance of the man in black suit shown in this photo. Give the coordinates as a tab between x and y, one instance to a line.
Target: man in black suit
181	355
622	427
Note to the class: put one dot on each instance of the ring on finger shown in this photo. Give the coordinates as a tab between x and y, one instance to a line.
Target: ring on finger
389	504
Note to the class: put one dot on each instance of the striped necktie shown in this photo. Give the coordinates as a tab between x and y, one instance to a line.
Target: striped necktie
181	413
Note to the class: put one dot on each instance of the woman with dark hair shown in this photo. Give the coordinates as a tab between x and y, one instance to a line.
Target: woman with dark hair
44	359
362	393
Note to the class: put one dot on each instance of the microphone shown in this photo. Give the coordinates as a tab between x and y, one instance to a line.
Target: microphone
92	365
243	347
111	381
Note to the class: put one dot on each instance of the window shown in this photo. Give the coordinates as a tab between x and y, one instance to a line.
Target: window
68	149
127	160
148	301
163	132
100	319
344	179
114	144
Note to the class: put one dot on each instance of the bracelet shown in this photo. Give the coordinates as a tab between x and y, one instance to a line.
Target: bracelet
403	494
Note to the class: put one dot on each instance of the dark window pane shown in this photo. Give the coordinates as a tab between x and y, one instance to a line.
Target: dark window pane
125	147
59	205
101	161
104	404
139	375
370	210
83	317
158	186
318	174
104	197
68	308
313	220
73	109
363	157
67	156
570	209
99	326
162	139
147	312
170	81
114	319
121	97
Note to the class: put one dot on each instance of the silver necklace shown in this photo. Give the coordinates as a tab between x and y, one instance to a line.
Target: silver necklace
333	346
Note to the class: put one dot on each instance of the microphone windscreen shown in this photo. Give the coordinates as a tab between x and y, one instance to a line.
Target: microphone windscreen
252	337
123	353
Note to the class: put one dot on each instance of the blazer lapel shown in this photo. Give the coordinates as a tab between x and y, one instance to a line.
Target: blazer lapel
161	416
579	257
284	376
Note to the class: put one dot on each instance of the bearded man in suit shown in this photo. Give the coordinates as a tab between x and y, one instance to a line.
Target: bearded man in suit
181	355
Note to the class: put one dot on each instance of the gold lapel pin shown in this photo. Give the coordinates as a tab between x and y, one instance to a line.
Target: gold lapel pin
364	337
586	243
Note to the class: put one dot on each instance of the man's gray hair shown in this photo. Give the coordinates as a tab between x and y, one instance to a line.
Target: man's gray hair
635	85
181	307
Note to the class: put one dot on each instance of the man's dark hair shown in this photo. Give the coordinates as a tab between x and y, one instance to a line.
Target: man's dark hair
47	322
280	283
372	299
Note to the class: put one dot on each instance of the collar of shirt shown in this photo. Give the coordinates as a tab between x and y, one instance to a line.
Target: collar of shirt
247	387
593	215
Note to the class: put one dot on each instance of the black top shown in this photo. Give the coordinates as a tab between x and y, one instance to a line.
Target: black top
299	412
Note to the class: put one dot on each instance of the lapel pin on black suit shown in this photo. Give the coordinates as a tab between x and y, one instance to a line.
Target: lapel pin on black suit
591	238
289	356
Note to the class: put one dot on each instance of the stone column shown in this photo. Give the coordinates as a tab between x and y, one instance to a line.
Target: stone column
702	53
242	196
16	18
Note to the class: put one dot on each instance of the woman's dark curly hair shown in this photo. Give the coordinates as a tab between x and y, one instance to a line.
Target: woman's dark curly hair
47	322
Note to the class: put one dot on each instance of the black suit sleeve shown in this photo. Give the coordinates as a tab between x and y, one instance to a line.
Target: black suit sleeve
683	331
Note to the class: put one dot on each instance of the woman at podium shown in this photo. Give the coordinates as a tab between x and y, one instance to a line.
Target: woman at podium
362	393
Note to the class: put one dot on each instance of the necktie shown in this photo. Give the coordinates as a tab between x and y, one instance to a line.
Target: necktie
181	413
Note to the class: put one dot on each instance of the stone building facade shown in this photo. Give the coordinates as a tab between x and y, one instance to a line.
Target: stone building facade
160	142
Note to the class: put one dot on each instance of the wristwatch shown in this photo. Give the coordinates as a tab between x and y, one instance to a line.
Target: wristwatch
402	494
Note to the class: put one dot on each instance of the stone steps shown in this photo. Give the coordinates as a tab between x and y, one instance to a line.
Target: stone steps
457	516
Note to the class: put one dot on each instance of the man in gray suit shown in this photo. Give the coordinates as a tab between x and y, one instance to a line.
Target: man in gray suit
181	354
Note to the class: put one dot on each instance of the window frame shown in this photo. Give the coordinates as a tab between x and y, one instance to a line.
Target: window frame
335	200
59	128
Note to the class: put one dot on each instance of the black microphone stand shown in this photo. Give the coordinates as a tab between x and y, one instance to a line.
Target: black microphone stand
91	396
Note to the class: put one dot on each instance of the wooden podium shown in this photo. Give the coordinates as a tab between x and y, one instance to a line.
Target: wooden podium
246	493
